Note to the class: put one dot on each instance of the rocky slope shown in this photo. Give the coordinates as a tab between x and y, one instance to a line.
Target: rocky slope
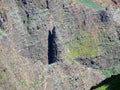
58	44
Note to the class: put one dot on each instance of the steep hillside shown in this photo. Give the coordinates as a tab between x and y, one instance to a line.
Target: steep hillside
58	44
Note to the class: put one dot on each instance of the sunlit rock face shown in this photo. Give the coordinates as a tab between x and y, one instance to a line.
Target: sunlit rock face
58	44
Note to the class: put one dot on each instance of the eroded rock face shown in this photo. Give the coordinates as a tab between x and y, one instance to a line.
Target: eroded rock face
81	44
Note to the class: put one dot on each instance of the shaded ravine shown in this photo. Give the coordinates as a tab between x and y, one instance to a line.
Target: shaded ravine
52	47
110	81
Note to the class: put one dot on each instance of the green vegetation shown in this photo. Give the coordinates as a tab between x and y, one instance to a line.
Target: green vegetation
42	78
1	32
2	77
23	83
87	48
112	85
108	73
36	82
106	38
30	20
108	44
2	73
104	87
91	4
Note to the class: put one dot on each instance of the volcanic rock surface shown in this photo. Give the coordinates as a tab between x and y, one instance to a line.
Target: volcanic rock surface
58	44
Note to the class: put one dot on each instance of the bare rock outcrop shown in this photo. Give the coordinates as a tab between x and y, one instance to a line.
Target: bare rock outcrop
58	44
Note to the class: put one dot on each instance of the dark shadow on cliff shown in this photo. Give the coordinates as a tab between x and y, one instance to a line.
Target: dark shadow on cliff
52	47
113	83
47	3
104	16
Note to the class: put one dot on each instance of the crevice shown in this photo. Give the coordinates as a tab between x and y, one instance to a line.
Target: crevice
27	14
112	81
52	46
103	16
47	3
115	1
88	62
3	19
118	33
24	2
